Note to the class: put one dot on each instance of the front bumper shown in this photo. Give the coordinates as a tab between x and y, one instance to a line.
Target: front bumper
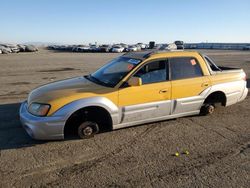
42	128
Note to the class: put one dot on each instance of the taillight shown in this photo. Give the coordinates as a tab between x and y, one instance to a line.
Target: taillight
244	76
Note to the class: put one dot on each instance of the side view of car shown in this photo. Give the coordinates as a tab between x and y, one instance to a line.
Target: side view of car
81	48
142	46
179	44
105	48
117	48
94	48
133	89
167	47
132	48
5	50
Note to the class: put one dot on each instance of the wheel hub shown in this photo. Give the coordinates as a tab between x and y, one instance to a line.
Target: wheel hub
210	109
87	131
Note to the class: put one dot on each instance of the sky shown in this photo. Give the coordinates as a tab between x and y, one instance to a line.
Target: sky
128	21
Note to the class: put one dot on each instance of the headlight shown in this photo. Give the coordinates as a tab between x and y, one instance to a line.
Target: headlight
38	109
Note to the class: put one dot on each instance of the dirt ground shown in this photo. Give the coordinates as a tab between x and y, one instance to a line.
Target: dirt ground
141	156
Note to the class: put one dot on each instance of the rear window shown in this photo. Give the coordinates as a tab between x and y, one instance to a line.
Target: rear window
186	67
211	64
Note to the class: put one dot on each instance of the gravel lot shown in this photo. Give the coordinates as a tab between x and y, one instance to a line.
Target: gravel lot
141	156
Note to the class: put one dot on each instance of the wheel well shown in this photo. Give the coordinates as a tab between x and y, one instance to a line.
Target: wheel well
92	113
216	97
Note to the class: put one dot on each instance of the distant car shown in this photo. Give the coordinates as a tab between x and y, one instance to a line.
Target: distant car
179	44
50	47
171	46
69	48
21	47
138	47
117	49
74	49
123	45
151	45
5	49
0	51
162	46
15	49
132	48
81	49
31	48
105	48
143	46
94	48
158	46
65	48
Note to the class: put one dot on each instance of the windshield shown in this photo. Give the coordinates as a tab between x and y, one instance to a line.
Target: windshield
113	72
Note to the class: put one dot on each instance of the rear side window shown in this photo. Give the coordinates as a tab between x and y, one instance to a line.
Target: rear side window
186	67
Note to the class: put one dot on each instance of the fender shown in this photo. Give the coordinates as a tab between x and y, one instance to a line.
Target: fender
66	111
232	90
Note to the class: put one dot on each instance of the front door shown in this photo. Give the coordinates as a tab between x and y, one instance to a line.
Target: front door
149	101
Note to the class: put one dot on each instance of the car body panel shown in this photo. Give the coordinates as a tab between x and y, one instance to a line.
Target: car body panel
42	128
60	93
189	87
140	102
97	101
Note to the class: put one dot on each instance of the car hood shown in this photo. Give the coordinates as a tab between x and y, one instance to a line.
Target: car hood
59	93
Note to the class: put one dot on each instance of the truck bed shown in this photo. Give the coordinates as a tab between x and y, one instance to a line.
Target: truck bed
228	68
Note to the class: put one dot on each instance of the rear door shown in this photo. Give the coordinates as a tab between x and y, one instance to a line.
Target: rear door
188	83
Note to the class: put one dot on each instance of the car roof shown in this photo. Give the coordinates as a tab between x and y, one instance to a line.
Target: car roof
157	54
137	55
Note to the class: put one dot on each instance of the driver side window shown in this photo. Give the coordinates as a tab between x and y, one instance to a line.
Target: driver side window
156	71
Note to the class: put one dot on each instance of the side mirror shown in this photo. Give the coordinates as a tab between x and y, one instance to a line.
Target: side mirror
135	81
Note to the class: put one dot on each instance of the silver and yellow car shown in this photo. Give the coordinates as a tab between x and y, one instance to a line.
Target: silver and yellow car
135	88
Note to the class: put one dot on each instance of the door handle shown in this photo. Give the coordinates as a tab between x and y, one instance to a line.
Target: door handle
163	91
205	84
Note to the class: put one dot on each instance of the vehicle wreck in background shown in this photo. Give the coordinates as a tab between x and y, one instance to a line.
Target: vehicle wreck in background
115	48
16	48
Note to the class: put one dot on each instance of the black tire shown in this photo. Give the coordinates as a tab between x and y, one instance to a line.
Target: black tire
87	129
207	109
